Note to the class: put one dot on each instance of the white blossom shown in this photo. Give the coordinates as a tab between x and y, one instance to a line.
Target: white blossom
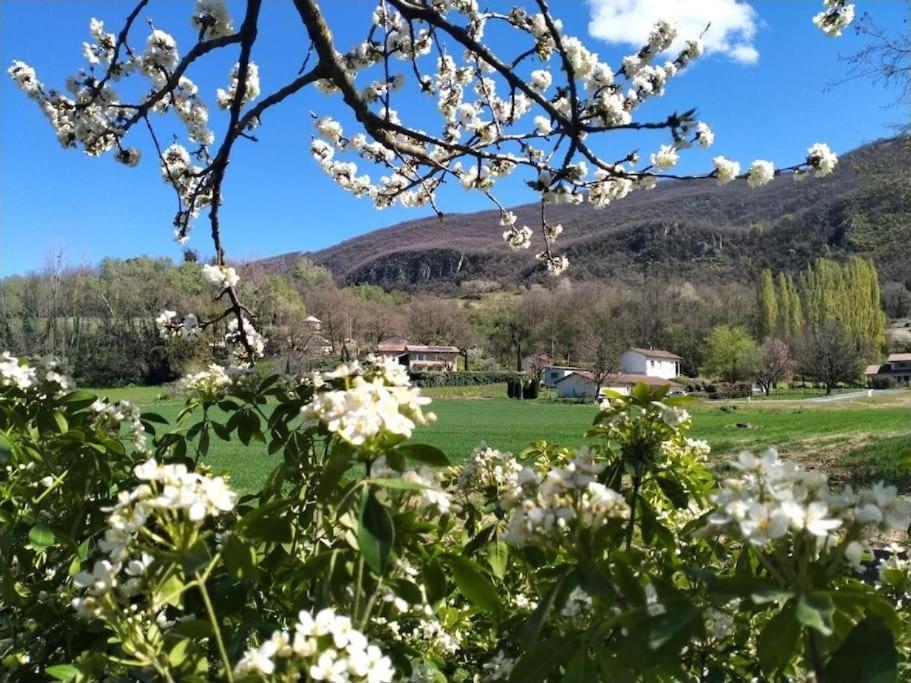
822	159
761	173
666	157
726	170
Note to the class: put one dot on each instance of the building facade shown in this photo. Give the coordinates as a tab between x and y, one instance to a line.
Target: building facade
651	363
897	368
419	357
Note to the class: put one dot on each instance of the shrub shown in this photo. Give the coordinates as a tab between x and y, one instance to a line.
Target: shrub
461	378
365	553
882	382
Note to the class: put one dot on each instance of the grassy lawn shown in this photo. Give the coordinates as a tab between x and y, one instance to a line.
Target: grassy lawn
858	440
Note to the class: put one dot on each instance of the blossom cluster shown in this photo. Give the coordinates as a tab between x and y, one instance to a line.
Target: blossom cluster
169	324
548	507
322	647
164	491
362	403
220	276
835	18
774	498
212	383
44	376
427	479
110	416
489	473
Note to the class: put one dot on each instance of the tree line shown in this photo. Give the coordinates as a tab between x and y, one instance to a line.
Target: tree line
102	319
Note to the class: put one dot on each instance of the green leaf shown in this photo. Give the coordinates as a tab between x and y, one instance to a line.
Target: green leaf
581	668
239	558
41	536
531	630
866	656
62	672
375	533
6	446
153	417
267	522
497	558
397	484
778	640
678	615
62	425
474	585
538	663
435	582
815	611
336	465
674	491
430	455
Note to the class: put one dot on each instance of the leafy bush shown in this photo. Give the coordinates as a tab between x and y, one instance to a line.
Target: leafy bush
728	390
365	556
882	382
461	378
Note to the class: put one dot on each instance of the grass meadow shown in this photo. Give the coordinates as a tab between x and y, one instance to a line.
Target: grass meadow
851	440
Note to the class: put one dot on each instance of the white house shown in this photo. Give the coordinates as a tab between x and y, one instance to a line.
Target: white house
581	384
554	373
651	363
314	324
418	357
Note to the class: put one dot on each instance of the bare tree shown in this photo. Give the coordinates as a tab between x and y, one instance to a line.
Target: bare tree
602	342
774	364
829	354
886	57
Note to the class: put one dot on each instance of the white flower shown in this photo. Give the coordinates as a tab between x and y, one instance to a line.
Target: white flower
220	276
226	97
666	157
541	79
725	169
371	403
15	374
556	265
211	18
542	125
518	238
822	159
704	135
835	18
761	172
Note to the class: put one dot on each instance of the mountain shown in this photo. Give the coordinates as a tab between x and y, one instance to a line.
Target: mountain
696	230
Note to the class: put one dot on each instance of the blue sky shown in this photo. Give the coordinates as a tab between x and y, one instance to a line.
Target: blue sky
764	91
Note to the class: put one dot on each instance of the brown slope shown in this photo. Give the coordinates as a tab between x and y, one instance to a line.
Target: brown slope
682	228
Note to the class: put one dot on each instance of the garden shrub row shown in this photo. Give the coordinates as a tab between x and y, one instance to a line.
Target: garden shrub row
462	379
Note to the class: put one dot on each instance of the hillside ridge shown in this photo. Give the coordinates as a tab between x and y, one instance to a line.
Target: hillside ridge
694	229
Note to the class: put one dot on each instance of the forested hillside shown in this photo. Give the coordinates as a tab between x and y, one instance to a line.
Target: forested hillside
682	230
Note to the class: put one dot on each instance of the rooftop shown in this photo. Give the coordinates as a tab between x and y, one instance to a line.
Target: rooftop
656	353
622	378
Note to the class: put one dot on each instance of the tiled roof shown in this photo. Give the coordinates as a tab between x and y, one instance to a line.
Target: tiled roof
656	353
623	378
898	357
420	348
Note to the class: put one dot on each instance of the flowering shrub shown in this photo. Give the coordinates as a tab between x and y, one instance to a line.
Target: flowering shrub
366	556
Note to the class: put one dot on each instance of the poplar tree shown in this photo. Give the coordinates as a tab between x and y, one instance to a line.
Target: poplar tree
768	305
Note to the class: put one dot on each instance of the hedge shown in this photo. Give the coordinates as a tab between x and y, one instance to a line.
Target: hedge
461	379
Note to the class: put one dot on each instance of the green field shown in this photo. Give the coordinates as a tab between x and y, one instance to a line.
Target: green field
851	440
